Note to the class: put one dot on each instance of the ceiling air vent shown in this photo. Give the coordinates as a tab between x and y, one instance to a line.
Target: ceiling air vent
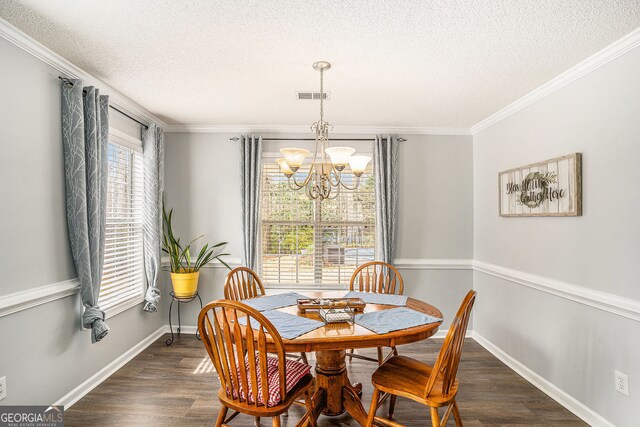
301	96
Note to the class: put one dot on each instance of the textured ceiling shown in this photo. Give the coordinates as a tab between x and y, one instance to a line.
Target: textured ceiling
418	63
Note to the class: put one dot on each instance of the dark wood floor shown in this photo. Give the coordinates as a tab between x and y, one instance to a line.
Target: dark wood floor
176	386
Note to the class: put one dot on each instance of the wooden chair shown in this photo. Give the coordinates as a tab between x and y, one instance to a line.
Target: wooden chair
434	386
378	277
266	386
243	283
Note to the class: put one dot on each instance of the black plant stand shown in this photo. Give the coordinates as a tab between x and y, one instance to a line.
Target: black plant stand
181	301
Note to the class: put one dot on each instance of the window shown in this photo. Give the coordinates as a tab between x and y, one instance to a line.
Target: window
123	273
312	243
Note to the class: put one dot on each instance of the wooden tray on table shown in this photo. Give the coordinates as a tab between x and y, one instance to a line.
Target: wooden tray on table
357	304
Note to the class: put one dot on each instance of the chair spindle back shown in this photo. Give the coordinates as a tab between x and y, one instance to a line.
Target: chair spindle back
378	277
230	344
242	283
446	366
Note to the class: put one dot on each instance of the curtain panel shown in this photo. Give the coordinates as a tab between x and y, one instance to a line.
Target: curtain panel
153	158
250	180
385	158
85	135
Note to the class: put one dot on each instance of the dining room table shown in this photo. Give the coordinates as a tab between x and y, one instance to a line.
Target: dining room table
334	392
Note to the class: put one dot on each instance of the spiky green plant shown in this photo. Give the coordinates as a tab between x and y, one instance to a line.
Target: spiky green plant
180	256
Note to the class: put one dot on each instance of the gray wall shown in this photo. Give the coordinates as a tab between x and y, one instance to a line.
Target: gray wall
436	207
44	353
574	346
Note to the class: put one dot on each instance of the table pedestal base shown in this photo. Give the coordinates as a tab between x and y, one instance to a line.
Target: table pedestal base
335	392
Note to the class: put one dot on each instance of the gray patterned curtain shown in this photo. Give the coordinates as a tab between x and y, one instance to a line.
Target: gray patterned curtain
250	174
85	134
153	155
385	169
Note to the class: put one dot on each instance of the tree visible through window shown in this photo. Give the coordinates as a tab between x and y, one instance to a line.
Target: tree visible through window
313	243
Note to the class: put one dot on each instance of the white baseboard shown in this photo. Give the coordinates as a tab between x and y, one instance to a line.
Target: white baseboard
565	399
79	392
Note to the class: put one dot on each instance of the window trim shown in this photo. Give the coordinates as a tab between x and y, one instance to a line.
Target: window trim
127	141
270	156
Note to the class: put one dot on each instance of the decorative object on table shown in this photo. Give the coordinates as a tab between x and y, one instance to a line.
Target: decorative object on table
180	300
325	176
184	270
337	314
377	282
549	188
434	386
248	388
356	304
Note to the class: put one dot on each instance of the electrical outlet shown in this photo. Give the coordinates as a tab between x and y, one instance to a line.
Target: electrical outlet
3	387
622	383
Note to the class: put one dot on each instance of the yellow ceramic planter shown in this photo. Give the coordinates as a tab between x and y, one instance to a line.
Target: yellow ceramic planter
185	285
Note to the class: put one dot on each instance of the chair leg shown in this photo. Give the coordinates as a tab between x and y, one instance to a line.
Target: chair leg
380	356
303	355
308	401
456	414
392	405
374	406
349	353
256	421
276	421
435	418
221	416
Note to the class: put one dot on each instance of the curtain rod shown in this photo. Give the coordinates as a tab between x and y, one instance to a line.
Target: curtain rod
68	83
235	138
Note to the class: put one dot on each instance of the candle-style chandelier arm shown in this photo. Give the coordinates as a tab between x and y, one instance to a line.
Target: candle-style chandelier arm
355	186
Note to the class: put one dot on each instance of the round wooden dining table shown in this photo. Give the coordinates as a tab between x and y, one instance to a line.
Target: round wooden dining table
334	391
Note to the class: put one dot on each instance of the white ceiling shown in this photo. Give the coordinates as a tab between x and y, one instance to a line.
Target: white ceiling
444	63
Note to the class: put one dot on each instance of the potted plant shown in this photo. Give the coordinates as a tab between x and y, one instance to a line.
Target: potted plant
185	271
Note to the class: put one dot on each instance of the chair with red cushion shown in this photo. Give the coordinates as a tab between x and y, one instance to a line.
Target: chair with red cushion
253	382
243	283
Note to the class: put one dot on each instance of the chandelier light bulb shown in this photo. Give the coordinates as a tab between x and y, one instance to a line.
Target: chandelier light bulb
294	157
340	156
359	164
284	167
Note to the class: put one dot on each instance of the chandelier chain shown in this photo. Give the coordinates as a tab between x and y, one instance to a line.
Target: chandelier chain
321	96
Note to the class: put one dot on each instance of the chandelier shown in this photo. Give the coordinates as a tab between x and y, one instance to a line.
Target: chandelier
324	178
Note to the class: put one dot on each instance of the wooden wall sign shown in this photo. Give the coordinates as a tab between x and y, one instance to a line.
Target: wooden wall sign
550	188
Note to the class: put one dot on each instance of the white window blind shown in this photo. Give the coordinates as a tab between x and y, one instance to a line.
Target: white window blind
311	243
123	274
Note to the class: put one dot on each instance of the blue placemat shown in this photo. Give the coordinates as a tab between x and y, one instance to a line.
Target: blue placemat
393	319
288	325
271	302
375	298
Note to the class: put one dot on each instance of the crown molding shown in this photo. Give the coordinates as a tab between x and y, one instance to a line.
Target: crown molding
371	130
592	63
46	55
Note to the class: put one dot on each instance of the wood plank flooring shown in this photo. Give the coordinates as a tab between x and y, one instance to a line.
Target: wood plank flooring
176	386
